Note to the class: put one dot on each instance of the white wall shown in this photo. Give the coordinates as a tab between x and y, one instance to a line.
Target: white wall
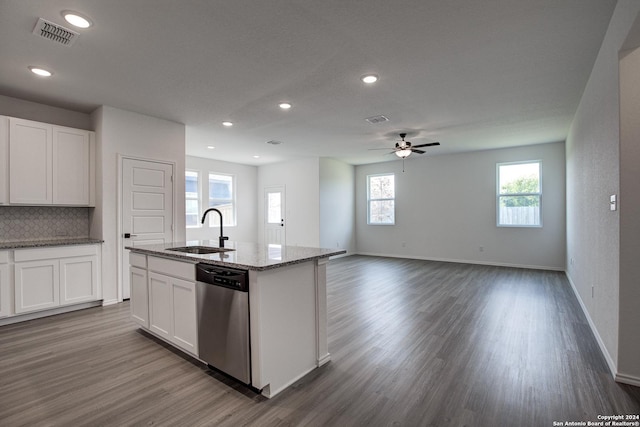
629	335
593	171
337	205
20	108
301	181
136	135
246	183
446	210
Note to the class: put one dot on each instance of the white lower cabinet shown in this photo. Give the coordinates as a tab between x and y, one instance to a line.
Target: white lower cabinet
37	285
163	299
51	277
5	285
78	279
139	301
172	310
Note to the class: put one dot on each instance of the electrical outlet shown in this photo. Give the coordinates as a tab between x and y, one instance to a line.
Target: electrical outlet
593	291
481	248
404	244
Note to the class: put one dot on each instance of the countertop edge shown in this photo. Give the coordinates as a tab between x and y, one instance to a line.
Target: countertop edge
26	244
194	260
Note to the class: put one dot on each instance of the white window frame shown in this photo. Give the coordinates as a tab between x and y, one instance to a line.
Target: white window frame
499	195
214	221
369	199
197	198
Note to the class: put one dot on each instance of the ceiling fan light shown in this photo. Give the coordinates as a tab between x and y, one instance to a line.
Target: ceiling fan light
403	154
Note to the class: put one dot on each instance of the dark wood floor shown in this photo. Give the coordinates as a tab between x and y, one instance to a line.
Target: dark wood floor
413	343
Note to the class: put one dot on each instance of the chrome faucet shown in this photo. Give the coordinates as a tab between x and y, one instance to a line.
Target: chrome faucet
222	237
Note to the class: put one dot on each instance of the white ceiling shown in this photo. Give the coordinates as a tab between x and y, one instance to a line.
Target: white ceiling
471	74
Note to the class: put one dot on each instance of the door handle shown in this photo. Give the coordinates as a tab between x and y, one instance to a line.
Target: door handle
129	235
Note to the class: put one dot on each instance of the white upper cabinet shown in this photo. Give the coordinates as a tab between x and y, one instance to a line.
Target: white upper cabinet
49	164
30	162
70	166
4	160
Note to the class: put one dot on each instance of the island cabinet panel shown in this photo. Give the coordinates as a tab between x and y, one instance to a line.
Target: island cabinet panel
139	296
172	302
283	326
5	285
160	312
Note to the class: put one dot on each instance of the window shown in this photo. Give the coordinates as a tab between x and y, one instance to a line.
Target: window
381	192
222	197
191	196
519	194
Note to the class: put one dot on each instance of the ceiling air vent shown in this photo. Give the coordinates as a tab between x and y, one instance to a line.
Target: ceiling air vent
376	119
55	32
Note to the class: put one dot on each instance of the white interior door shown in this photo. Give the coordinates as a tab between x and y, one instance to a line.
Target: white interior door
147	208
274	219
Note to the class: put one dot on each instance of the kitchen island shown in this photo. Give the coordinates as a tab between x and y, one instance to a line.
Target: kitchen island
287	303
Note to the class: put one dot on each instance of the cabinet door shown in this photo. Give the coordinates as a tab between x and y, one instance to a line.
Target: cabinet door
30	160
4	160
139	296
70	166
160	305
5	304
37	285
78	279
184	318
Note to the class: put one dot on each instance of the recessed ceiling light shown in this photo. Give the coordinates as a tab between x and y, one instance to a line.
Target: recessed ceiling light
210	147
227	124
369	78
76	19
256	157
284	105
40	71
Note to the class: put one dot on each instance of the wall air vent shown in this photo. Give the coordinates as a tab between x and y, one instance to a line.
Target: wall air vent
55	32
376	119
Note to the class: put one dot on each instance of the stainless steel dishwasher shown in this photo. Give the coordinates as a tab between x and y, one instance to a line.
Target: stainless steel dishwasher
223	319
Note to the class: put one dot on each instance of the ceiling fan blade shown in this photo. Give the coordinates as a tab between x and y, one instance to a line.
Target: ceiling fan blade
418	151
373	149
431	144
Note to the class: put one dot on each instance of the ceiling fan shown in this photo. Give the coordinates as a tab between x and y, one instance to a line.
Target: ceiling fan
404	148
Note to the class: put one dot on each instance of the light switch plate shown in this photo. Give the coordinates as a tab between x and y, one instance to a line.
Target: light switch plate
612	202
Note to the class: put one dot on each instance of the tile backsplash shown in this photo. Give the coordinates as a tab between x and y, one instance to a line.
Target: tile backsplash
42	222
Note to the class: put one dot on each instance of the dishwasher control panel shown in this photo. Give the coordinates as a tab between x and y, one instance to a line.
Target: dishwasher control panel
223	276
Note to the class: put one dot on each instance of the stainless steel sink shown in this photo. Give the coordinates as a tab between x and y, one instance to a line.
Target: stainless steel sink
199	250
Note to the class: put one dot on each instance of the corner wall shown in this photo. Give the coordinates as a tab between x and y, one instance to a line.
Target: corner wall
446	210
136	135
337	205
593	171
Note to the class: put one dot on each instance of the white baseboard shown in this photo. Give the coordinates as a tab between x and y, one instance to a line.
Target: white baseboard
610	362
45	313
464	261
110	302
627	379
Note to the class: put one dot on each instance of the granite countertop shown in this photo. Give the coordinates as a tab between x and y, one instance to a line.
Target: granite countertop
249	256
48	242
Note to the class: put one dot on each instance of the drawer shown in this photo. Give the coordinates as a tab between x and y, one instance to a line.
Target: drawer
56	252
183	270
4	257
138	260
